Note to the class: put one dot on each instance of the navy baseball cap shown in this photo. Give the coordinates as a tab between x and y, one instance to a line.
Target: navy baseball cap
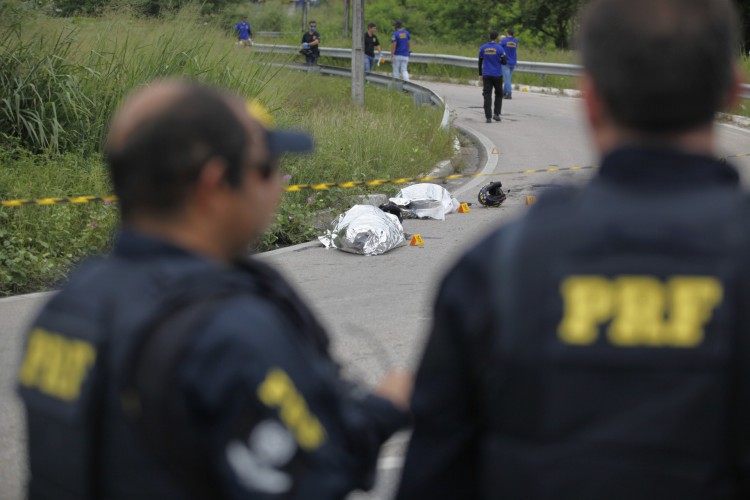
280	140
289	141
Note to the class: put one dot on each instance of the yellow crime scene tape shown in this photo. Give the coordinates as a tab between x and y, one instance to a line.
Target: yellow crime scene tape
327	185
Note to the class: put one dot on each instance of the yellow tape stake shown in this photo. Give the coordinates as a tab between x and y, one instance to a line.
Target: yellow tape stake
416	241
463	208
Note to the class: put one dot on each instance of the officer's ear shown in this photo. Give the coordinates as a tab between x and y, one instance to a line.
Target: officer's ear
211	181
592	101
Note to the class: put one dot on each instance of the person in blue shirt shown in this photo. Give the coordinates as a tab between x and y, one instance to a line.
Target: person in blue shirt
244	33
510	45
400	51
491	63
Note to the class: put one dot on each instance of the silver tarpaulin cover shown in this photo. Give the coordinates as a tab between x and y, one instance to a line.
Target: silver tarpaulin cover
364	229
426	201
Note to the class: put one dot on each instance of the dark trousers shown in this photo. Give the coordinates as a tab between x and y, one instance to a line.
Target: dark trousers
489	83
312	58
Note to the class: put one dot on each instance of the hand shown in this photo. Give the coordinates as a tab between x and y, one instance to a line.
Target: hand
396	386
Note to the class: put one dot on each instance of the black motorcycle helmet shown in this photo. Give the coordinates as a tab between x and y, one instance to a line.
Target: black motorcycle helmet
491	195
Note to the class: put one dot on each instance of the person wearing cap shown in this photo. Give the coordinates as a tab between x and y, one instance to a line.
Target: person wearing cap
178	367
598	347
400	51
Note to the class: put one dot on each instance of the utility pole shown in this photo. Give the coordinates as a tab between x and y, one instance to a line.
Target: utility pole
305	8
358	53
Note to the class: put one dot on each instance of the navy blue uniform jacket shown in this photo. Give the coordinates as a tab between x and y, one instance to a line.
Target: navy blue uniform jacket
263	402
599	348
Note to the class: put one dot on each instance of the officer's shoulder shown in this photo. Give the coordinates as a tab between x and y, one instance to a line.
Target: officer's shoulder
474	262
94	271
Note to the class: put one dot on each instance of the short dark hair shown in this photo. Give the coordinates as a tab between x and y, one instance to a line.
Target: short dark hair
494	35
312	22
398	24
510	31
158	163
643	55
371	25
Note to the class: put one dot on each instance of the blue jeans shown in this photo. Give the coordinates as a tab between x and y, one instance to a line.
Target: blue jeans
369	63
507	71
400	63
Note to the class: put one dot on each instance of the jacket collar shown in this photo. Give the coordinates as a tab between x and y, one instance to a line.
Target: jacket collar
663	166
130	243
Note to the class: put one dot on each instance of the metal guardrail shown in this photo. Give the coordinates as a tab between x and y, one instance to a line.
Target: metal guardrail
538	68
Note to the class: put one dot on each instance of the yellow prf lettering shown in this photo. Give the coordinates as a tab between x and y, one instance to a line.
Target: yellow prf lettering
587	303
56	365
274	388
642	310
278	391
693	302
639	316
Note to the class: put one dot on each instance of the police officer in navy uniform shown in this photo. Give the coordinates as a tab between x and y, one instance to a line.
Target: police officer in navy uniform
177	368
491	60
311	44
599	347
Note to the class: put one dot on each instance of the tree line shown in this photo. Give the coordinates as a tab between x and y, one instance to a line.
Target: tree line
548	22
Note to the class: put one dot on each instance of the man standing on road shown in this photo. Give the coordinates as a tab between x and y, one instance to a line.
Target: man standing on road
400	51
244	33
598	347
371	43
491	61
510	45
311	44
177	367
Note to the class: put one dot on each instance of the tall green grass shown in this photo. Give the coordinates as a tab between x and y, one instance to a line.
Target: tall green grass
61	80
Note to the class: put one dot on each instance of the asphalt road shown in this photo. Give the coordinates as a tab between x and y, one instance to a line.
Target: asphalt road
378	308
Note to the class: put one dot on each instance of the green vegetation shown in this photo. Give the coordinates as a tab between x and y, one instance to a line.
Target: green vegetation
61	78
